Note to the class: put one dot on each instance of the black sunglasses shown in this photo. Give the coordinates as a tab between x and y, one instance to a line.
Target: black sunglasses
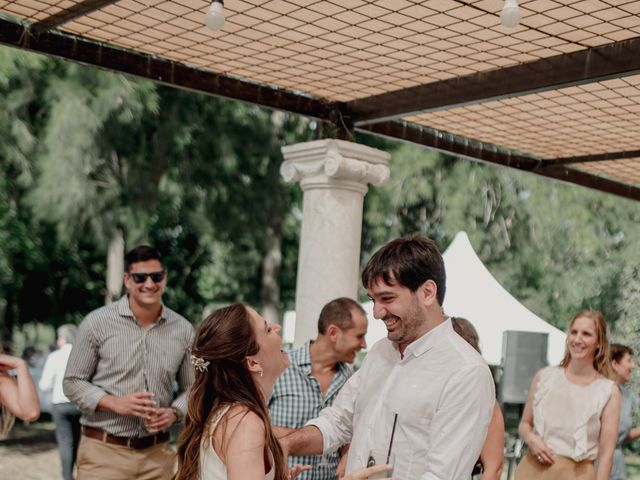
157	277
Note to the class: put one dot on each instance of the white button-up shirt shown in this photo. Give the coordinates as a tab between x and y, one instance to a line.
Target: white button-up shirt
53	373
442	393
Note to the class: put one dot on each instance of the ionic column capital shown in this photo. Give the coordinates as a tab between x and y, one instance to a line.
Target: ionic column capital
333	163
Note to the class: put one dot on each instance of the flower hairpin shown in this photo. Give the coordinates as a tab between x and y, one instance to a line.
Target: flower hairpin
200	363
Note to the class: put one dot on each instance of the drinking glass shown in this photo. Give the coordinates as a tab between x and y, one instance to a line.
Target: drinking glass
379	457
156	405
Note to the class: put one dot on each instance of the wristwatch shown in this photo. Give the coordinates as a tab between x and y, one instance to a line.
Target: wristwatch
178	414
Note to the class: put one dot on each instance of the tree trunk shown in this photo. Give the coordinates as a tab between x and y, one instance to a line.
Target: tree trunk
270	284
115	267
7	318
270	291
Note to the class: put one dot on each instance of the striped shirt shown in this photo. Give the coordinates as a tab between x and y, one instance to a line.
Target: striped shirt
114	355
297	398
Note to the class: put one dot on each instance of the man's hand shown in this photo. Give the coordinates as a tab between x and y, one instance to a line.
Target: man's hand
297	470
136	404
160	420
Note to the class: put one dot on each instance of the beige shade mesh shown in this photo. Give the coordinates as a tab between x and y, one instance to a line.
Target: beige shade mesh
347	49
341	50
588	119
625	171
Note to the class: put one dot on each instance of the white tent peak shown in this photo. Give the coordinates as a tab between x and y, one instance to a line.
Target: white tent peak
473	293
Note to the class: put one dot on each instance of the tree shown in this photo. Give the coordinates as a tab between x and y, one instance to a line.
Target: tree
96	174
557	248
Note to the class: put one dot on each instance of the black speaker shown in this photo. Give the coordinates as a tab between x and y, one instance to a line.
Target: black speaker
523	354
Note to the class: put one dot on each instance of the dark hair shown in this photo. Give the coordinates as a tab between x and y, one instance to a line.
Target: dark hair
601	357
338	312
409	261
225	339
141	253
617	352
467	331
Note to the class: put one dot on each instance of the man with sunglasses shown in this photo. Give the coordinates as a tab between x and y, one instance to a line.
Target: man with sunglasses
121	375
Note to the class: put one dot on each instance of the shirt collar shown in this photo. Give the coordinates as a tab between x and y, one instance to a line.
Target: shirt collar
303	356
124	309
427	341
303	359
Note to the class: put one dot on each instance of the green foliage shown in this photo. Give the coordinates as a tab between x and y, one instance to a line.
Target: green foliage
627	328
85	154
557	248
92	168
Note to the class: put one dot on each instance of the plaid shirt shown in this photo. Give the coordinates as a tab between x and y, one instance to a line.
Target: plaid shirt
297	398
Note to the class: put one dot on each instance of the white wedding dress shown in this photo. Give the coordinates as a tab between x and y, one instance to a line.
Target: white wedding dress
211	467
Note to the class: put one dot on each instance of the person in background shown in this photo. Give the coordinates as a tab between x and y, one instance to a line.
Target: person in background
318	370
621	366
121	375
492	455
18	394
30	355
65	414
572	411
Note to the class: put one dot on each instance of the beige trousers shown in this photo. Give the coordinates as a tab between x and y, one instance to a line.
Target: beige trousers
98	460
563	468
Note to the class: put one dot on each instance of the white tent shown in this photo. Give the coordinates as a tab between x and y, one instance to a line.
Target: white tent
473	293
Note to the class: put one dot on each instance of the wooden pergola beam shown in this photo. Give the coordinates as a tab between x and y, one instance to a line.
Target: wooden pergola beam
164	71
74	11
490	153
598	157
585	66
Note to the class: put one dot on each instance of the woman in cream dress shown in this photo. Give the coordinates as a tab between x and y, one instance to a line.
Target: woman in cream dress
571	415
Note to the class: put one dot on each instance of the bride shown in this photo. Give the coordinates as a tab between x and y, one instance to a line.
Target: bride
227	434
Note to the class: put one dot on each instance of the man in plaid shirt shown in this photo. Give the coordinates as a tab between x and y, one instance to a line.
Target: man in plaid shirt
318	370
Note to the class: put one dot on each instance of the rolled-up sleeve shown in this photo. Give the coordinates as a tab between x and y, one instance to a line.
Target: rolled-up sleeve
185	378
336	422
81	367
460	425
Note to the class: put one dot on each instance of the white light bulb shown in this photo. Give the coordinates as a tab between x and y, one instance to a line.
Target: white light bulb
214	19
510	15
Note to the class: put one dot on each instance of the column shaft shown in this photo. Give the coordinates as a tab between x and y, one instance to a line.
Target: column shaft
333	175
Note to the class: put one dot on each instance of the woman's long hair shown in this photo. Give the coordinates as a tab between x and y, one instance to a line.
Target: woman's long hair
224	339
601	357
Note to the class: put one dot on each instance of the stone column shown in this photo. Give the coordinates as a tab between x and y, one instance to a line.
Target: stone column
333	175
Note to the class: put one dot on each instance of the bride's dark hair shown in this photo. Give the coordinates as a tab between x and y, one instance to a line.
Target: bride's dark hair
224	339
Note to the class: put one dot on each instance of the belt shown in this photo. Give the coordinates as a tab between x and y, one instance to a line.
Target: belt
136	443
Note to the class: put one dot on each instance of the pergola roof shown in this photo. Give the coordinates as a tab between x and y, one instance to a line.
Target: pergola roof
558	95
